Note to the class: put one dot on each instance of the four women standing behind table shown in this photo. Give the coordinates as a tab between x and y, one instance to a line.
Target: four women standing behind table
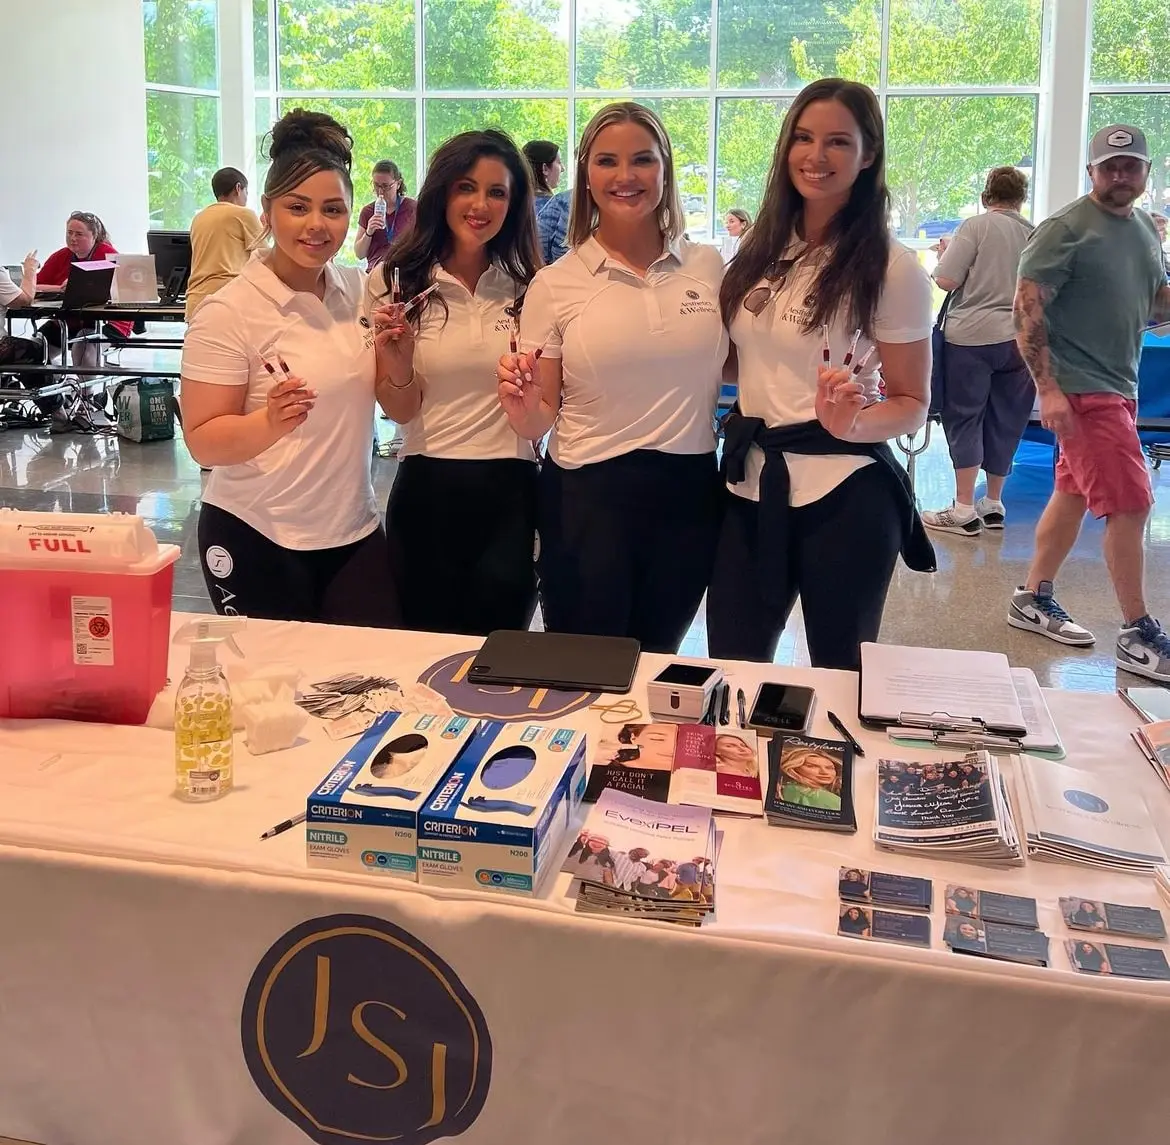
632	347
461	517
625	340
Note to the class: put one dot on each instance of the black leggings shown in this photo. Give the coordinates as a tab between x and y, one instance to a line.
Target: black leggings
842	552
626	545
462	536
249	575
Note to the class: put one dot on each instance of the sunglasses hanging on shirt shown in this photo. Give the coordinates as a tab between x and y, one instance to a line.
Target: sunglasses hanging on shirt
756	300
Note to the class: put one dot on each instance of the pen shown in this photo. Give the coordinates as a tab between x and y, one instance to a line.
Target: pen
857	748
712	705
287	825
826	351
741	699
852	347
725	705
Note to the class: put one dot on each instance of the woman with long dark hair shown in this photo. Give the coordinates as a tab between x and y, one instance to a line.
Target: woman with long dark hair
280	369
462	514
817	296
633	346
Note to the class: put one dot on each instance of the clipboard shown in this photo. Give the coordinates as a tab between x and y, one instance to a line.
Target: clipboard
1014	716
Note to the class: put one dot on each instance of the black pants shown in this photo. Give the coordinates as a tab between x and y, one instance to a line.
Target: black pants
462	536
626	545
842	553
249	575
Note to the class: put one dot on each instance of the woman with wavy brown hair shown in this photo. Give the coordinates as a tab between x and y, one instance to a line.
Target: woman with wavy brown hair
822	305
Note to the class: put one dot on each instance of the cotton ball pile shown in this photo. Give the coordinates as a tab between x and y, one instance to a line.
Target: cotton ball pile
272	722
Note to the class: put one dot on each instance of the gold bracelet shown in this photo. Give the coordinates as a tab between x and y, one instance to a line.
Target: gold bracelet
405	385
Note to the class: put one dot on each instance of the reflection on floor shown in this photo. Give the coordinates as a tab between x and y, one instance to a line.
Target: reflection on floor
961	606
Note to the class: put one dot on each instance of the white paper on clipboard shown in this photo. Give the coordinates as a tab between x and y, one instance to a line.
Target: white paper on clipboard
965	685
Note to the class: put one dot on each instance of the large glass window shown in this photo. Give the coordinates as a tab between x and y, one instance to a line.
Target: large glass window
939	150
958	80
182	107
1131	49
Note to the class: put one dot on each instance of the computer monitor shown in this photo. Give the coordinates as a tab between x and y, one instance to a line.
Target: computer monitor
172	261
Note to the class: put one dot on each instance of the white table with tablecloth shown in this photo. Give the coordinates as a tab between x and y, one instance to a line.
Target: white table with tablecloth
143	943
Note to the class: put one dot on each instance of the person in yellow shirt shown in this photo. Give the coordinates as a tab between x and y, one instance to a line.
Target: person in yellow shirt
222	237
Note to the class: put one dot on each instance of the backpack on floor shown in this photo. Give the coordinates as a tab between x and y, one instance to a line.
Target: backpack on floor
145	409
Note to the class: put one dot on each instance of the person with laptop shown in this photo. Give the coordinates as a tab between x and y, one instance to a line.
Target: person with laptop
222	237
86	240
279	376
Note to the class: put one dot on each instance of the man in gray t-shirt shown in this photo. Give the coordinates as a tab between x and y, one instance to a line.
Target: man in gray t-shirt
1091	279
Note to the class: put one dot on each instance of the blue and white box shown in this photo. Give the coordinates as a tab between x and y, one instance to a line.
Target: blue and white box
364	815
498	819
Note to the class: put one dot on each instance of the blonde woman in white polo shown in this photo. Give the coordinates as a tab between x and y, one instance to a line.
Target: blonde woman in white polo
280	370
632	345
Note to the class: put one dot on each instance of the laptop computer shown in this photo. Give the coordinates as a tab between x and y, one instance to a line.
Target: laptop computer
88	284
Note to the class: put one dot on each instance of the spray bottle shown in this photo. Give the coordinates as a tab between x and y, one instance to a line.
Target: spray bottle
203	711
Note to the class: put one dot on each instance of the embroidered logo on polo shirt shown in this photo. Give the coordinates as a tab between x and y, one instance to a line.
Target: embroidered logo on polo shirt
695	303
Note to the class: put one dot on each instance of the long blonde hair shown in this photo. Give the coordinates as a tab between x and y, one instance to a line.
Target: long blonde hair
792	761
583	214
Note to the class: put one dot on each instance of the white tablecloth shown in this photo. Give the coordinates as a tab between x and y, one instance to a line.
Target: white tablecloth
133	924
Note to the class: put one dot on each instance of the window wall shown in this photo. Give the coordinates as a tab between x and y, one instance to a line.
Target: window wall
958	79
1130	80
963	85
182	106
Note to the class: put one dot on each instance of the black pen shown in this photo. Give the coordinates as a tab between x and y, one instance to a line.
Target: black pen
725	705
742	700
857	748
287	825
711	708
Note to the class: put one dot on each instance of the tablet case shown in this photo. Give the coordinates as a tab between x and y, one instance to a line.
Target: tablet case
562	660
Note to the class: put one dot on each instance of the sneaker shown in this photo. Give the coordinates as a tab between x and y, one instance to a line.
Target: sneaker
1039	612
955	519
990	512
1144	649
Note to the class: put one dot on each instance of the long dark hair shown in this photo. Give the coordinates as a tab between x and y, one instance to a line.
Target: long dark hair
516	247
858	243
303	144
540	153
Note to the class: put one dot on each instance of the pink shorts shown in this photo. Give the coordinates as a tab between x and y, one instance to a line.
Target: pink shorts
1102	459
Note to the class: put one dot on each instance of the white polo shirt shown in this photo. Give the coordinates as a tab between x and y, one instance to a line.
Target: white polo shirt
778	363
311	490
455	357
641	357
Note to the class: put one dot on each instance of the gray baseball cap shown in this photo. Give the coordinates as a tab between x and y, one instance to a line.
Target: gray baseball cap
1118	139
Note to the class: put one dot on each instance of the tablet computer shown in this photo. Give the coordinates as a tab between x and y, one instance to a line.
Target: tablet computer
561	660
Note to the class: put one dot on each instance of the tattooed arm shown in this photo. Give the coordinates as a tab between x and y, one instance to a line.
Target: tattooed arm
1032	338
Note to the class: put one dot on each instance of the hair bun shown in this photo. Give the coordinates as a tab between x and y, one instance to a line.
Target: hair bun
301	130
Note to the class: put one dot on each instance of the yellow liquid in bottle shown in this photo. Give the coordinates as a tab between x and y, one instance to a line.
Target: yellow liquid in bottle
203	739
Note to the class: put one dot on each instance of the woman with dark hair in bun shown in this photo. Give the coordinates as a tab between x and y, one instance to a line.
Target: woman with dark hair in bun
279	374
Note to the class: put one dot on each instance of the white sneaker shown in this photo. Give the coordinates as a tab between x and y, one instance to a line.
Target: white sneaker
1039	612
1144	649
990	512
956	519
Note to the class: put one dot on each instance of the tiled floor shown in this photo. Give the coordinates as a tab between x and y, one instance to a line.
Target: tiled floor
961	606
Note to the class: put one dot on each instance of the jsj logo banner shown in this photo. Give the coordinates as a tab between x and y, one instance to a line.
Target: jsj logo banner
356	1031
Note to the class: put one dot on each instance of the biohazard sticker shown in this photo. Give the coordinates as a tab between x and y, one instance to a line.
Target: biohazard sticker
93	631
